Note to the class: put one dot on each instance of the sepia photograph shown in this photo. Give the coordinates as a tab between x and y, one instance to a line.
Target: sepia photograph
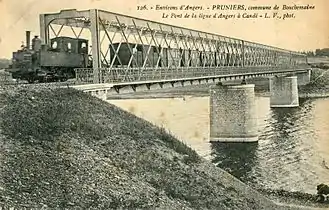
164	104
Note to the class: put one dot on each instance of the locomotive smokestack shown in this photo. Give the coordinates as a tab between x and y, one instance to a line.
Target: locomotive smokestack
28	34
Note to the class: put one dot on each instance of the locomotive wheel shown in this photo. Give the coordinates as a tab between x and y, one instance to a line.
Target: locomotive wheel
63	79
30	80
321	198
41	79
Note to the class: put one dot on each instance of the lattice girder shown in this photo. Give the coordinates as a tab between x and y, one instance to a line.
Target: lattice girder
130	49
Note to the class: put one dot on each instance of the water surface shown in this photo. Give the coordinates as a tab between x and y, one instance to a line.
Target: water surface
293	148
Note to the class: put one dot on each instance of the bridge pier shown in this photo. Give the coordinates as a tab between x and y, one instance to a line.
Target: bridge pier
304	78
233	114
284	92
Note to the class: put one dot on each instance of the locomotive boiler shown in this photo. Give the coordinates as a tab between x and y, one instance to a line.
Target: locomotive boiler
54	62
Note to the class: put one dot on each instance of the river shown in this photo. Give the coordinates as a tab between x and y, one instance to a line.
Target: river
293	148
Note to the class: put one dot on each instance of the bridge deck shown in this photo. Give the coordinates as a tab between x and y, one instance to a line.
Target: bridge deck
134	85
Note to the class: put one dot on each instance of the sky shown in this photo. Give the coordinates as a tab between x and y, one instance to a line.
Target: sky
308	30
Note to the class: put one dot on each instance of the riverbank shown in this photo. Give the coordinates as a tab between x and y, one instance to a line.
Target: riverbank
84	153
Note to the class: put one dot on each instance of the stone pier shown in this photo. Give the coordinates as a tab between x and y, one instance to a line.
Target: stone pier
284	92
233	113
304	78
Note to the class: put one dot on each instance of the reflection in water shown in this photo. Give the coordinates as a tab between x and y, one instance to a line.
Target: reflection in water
285	120
286	154
293	142
238	159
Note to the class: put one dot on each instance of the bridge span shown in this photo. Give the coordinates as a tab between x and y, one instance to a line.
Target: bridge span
134	54
101	90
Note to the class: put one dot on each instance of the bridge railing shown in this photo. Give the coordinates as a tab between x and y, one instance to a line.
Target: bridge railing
120	75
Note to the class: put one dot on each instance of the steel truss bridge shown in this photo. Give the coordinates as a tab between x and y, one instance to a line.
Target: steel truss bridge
126	49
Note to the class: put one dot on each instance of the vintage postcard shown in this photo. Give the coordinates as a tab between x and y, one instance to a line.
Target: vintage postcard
146	104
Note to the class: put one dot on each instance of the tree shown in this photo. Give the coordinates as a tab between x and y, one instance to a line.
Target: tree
322	52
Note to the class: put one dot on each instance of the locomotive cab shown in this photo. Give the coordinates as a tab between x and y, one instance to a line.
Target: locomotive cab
68	44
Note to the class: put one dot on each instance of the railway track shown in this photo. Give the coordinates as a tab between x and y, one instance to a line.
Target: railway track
24	84
6	80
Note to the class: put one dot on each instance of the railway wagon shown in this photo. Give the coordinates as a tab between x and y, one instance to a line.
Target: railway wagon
141	52
169	57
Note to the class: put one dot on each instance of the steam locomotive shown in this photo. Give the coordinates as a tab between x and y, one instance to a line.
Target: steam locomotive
45	63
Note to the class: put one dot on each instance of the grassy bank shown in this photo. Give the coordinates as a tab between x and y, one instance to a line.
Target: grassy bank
61	148
319	85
